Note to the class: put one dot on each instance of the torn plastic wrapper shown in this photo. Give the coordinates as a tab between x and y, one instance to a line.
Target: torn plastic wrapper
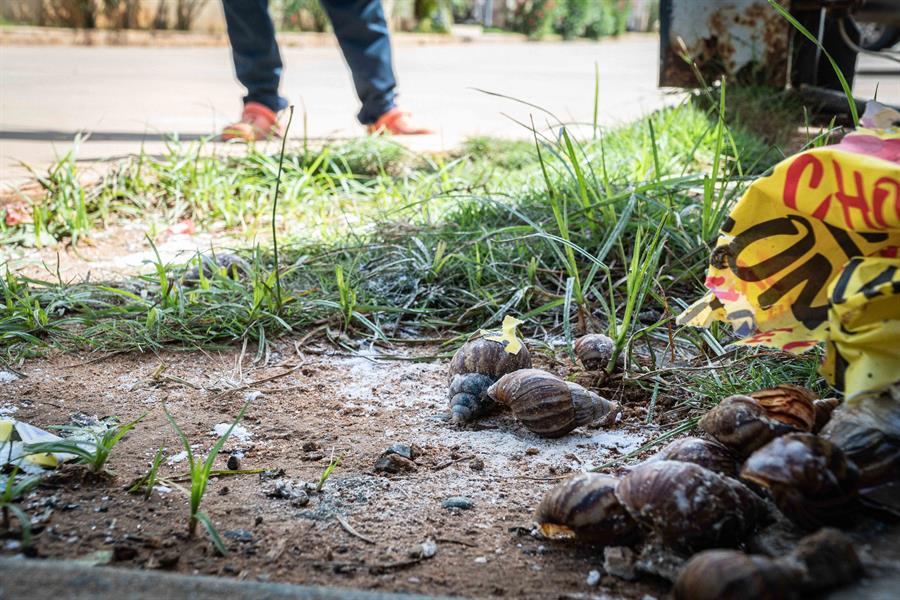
14	435
811	254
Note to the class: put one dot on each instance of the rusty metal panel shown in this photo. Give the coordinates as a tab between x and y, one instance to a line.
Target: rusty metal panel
745	40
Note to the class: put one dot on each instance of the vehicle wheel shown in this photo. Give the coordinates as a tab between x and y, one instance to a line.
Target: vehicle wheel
877	36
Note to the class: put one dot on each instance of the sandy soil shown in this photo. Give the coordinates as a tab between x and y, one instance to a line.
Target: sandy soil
356	406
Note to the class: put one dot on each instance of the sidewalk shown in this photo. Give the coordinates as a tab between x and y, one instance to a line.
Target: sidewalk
134	97
67	580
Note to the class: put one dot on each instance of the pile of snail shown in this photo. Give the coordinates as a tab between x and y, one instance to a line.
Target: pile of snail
817	462
483	375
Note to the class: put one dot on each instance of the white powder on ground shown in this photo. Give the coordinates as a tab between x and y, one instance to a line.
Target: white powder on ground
239	432
418	394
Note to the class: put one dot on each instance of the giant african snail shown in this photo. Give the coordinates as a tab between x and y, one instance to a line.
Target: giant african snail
476	365
549	406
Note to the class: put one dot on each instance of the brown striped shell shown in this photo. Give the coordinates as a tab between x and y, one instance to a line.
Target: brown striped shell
809	478
790	404
690	507
706	453
742	424
476	365
549	406
824	408
733	575
823	560
594	350
829	559
585	507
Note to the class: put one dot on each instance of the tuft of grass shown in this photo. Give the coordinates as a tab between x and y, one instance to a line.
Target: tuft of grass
200	470
15	486
148	480
90	447
333	463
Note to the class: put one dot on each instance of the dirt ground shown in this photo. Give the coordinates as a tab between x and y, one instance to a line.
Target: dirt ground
317	402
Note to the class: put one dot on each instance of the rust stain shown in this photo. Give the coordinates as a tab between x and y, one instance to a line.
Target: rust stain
732	31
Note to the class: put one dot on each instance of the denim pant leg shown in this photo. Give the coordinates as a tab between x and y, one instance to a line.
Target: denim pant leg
257	62
362	32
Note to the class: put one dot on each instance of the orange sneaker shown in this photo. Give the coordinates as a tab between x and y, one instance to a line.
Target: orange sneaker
397	122
258	122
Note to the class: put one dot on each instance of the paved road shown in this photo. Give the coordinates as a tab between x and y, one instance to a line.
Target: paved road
129	96
126	95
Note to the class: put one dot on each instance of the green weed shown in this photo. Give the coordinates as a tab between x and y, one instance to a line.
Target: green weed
14	487
200	470
90	447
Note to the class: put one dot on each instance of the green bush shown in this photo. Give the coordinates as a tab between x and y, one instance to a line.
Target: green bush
574	17
303	15
609	17
535	18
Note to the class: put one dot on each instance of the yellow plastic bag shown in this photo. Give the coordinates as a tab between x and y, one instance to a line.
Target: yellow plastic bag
811	254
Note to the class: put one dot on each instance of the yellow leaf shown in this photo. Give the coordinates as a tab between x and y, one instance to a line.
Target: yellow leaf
508	335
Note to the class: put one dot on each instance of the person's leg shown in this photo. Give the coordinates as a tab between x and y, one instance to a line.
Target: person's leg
257	62
362	32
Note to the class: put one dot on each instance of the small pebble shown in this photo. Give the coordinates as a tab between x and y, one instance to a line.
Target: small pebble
481	560
234	463
593	577
619	562
240	535
394	463
458	502
531	451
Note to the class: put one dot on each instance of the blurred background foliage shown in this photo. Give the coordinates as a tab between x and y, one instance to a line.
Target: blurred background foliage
566	19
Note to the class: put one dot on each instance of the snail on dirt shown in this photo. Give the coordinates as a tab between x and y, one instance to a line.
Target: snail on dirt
690	507
585	507
820	561
476	365
548	405
706	453
809	478
594	350
747	423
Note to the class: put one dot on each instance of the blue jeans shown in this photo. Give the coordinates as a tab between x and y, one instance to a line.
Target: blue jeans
361	31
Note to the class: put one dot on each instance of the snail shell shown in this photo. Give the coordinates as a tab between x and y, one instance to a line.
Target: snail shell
476	365
585	507
733	575
829	559
594	350
790	404
234	266
688	506
824	407
549	406
869	434
706	453
810	479
743	424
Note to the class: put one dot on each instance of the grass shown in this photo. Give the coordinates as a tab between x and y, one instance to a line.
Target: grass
14	487
571	235
199	470
91	447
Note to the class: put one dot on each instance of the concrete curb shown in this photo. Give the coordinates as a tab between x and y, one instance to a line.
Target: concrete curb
64	580
22	35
